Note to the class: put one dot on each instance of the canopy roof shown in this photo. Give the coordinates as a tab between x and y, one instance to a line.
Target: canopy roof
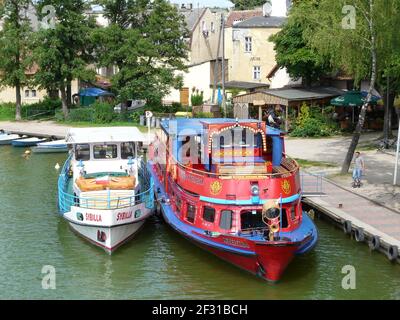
103	135
193	127
94	92
353	99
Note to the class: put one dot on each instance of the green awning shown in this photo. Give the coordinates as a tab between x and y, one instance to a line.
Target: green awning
353	99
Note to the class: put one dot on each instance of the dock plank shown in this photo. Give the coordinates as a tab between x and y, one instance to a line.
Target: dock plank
342	204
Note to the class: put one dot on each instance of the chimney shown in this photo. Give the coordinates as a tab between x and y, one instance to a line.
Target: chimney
280	8
267	9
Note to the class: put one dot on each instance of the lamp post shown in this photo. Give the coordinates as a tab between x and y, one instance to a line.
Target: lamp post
396	168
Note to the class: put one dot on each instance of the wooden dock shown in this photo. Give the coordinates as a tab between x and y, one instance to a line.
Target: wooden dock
41	129
365	220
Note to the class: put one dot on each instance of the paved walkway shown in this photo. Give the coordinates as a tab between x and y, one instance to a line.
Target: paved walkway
378	178
36	128
362	212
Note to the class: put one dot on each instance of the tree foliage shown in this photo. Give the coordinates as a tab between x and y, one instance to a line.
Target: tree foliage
15	35
64	51
145	40
247	4
293	50
359	37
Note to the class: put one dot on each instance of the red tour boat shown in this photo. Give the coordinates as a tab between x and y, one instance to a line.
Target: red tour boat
228	186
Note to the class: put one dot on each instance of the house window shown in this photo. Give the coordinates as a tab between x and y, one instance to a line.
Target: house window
257	73
248	44
204	26
26	93
34	93
191	213
226	220
212	27
209	214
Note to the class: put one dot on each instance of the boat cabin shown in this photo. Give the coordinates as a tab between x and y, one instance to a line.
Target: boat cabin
104	158
220	172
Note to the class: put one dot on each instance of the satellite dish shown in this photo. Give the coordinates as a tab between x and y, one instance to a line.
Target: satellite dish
267	9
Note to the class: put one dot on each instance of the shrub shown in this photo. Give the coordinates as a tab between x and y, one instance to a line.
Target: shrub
81	115
197	98
204	115
312	123
103	112
7	111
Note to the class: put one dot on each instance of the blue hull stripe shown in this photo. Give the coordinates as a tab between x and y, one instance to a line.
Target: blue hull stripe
247	202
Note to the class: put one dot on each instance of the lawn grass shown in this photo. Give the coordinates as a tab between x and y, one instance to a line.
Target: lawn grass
93	125
308	164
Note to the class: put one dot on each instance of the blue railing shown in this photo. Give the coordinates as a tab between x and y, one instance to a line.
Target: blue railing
106	202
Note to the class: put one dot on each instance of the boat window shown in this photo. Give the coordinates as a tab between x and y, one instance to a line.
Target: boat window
108	151
292	211
226	220
82	152
178	203
127	150
209	214
191	213
252	220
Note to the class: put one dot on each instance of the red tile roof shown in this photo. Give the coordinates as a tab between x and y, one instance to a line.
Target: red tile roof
237	16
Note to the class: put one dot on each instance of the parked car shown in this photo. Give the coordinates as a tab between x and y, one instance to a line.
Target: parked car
131	105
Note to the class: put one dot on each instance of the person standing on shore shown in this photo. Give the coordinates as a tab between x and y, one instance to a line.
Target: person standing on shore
359	168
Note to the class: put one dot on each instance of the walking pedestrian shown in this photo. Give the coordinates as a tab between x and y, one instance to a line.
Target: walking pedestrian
359	169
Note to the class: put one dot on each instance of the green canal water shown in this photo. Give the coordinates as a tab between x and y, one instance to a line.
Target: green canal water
158	264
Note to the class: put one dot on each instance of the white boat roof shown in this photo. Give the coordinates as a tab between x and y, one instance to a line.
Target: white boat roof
102	135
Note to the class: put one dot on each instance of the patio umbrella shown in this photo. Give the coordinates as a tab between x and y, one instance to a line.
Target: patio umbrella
354	99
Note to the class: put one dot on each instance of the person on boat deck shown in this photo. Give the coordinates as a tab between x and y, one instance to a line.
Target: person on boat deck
273	119
359	168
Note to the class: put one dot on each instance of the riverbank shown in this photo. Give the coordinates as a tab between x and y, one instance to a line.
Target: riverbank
54	129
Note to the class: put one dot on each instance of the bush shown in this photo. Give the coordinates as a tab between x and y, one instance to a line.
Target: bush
197	98
204	115
81	115
7	111
312	123
103	112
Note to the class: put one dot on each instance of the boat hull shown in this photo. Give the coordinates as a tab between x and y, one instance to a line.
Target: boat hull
109	239
108	229
49	150
266	259
24	144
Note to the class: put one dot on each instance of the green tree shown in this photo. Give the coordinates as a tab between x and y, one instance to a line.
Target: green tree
64	50
247	4
15	35
293	51
145	40
354	35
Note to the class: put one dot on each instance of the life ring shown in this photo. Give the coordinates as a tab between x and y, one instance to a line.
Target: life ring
392	253
347	227
374	243
359	234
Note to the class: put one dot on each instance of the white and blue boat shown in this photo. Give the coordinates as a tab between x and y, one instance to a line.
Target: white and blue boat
105	192
28	142
58	146
6	138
